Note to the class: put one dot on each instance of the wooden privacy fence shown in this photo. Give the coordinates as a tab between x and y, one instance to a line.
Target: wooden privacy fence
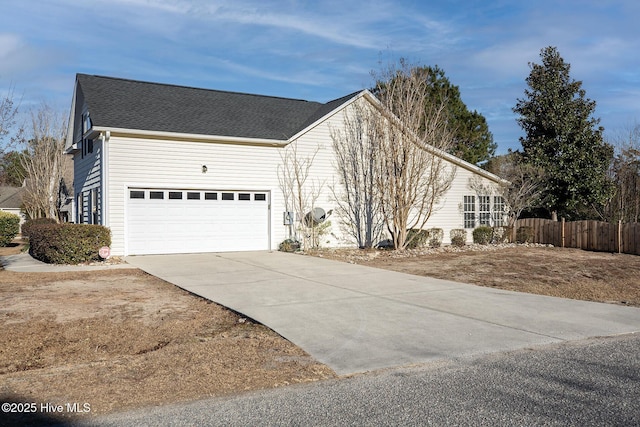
587	235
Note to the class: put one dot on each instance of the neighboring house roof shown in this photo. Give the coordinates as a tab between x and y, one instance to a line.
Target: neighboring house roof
130	104
11	197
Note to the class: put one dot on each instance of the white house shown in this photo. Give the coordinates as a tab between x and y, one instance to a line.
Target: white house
11	201
172	169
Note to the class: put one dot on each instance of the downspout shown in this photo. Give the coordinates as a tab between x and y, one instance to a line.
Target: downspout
104	178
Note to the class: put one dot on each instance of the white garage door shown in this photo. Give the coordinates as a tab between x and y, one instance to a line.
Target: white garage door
163	221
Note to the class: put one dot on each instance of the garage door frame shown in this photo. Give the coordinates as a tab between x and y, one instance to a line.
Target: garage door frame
227	210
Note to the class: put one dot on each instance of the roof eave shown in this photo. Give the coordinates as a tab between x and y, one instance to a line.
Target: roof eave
447	156
177	136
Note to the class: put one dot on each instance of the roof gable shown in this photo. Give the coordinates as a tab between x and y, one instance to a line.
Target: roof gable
129	104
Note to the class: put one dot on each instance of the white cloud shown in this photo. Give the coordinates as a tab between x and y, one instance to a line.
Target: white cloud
318	49
18	57
305	77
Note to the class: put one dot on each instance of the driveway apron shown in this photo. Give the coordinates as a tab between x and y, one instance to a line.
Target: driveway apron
356	319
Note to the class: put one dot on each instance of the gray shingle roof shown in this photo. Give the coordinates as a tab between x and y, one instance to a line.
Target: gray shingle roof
130	104
11	197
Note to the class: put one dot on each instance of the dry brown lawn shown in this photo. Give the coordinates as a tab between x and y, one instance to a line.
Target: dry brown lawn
567	273
121	339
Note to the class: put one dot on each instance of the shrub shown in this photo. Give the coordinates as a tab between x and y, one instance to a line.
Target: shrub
26	227
67	243
9	227
386	244
482	234
524	235
499	235
508	234
435	237
417	238
458	237
289	245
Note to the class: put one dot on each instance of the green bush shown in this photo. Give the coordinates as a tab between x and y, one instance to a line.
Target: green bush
435	237
9	227
524	235
26	227
417	238
289	245
67	243
458	237
482	235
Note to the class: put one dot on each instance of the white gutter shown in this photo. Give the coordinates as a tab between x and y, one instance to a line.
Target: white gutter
191	136
104	177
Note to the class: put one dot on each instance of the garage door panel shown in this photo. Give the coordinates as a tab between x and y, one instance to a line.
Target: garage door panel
191	225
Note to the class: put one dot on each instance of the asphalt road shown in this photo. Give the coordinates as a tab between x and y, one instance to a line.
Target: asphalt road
581	383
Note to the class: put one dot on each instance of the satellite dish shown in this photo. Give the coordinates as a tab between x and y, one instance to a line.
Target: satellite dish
315	216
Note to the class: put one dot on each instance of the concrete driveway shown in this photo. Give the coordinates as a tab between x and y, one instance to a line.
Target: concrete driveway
356	319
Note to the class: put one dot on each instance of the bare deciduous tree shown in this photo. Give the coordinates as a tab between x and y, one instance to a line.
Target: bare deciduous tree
8	113
524	190
625	175
357	197
300	193
413	138
44	162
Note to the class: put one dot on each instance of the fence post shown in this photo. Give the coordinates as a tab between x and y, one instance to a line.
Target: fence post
619	236
563	232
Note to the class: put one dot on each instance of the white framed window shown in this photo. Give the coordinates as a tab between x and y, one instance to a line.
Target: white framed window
485	210
469	211
94	207
86	122
80	208
498	211
87	143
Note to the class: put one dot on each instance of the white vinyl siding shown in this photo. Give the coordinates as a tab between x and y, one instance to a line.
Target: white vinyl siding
146	163
161	164
450	212
149	163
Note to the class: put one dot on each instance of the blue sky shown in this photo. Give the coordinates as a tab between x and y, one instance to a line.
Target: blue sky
321	50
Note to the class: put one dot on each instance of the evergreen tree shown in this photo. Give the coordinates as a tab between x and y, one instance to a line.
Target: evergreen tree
563	139
473	141
12	171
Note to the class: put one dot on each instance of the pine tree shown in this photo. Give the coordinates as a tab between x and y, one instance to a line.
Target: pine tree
473	142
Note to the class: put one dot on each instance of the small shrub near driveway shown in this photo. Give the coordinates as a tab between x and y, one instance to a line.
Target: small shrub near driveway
482	235
289	245
9	227
67	243
458	237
